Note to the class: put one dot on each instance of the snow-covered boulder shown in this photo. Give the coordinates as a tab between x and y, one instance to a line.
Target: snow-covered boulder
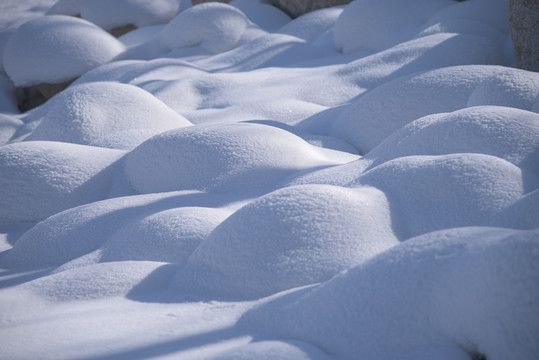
464	293
438	192
264	15
111	14
166	236
105	114
292	237
508	133
50	242
379	24
215	27
376	114
249	158
41	178
312	25
56	49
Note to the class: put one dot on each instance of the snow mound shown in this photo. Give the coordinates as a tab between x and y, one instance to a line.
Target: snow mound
508	133
50	242
55	49
438	192
230	157
112	14
264	15
450	291
312	25
105	114
377	113
495	16
511	87
369	24
291	237
92	282
167	236
215	27
42	178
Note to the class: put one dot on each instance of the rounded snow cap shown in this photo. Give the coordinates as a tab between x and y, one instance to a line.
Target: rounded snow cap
56	49
111	14
213	26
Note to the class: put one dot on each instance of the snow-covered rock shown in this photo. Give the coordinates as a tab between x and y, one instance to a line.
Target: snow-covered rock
292	237
443	295
379	24
378	113
508	133
55	49
438	192
167	236
110	14
214	27
41	178
249	158
105	114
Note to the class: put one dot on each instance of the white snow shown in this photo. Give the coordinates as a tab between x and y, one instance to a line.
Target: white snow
112	14
225	182
105	114
55	49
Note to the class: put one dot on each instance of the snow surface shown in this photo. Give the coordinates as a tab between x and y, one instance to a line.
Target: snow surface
225	182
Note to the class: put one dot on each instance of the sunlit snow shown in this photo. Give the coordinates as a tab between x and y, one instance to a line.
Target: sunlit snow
225	182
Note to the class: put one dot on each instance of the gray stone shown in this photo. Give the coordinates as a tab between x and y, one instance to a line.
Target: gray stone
296	8
524	29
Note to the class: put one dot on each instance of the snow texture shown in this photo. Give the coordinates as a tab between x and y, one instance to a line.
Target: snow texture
55	49
224	182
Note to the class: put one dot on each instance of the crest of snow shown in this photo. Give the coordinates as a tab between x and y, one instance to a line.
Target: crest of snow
231	157
508	133
438	192
379	24
376	114
264	15
312	25
449	290
109	14
215	27
55	49
42	178
291	237
105	114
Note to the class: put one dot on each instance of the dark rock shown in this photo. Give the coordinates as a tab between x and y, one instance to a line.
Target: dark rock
524	29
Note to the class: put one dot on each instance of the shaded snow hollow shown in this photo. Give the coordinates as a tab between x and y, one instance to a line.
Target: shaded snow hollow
225	182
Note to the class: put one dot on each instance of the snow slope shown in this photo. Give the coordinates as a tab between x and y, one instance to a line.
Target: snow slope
225	182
